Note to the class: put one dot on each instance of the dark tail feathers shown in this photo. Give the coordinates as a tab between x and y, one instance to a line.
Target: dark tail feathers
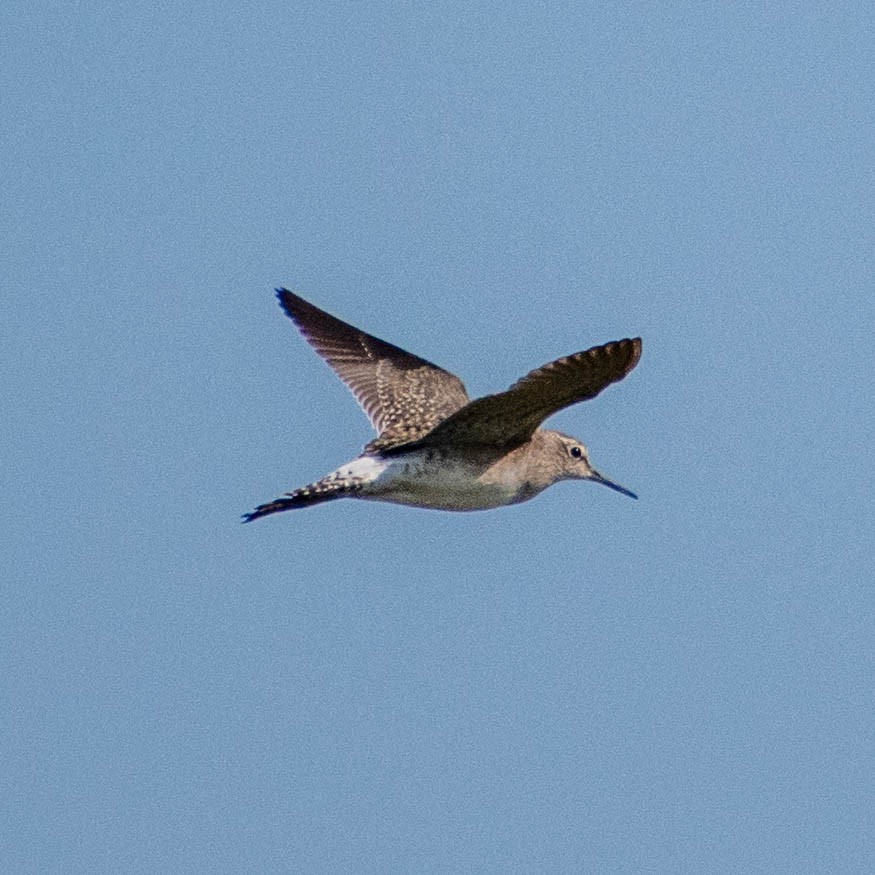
314	493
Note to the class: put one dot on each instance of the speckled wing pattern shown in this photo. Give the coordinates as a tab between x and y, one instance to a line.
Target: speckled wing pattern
404	396
510	418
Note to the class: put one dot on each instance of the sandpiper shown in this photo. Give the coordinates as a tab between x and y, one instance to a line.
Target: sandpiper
435	448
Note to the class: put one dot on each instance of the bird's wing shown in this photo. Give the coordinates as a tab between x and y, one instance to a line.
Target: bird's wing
403	395
511	417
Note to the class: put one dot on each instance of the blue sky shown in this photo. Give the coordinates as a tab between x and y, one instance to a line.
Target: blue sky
582	683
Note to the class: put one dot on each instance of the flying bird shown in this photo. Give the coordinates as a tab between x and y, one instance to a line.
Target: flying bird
435	448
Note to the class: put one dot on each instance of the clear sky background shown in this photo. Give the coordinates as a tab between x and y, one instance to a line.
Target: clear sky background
582	683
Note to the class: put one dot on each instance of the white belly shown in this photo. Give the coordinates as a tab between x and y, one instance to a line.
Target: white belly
447	485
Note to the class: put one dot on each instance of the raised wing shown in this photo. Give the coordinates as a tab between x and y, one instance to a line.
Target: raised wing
404	396
510	418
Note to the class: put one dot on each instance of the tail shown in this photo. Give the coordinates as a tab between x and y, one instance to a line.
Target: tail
313	493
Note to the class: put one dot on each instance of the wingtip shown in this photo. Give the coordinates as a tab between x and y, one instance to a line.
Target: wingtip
636	347
292	304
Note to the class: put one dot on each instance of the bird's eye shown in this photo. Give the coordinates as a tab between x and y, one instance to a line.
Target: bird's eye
576	453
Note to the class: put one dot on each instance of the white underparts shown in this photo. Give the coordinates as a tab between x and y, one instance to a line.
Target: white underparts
419	481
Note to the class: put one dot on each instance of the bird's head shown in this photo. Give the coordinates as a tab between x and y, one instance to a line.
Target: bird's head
570	458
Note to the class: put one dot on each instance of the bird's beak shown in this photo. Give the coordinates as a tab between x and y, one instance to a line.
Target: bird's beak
600	478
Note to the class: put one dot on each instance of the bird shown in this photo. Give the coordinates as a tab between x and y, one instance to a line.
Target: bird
435	447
